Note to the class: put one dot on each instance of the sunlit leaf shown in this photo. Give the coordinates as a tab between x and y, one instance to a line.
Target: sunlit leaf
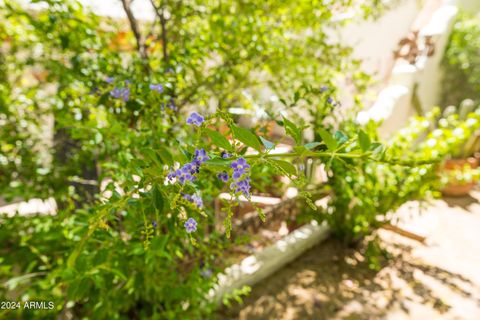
247	137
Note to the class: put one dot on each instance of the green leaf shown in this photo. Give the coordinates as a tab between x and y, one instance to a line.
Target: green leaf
363	140
292	130
247	137
152	155
328	139
312	145
376	148
286	166
296	96
268	144
157	199
340	137
165	155
104	98
218	139
78	288
159	243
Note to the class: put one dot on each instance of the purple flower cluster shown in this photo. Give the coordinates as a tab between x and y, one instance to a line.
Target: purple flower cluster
196	200
240	167
223	176
331	101
185	173
109	79
171	105
242	186
201	156
190	225
195	119
156	87
188	171
120	93
225	155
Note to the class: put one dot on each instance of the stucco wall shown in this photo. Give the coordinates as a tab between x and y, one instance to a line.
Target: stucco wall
394	103
375	40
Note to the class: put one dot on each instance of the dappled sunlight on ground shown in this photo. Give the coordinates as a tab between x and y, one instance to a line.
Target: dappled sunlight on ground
438	280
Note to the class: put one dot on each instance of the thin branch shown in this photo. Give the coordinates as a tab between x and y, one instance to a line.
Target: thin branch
135	29
163	23
404	233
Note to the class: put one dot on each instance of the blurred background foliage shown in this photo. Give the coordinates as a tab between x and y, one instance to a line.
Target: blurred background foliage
461	61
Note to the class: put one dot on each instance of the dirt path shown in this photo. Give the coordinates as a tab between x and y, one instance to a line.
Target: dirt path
440	280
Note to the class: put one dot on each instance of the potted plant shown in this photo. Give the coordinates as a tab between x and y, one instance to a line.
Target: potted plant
459	170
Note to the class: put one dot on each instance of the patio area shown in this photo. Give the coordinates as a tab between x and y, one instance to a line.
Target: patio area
436	280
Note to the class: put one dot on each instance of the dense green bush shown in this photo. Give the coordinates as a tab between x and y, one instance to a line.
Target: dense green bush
365	192
461	62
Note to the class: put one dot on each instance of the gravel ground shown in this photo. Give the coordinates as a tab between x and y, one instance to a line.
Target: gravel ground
436	280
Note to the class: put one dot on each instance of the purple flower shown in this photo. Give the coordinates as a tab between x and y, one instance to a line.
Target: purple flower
171	175
154	224
223	176
323	89
237	174
201	155
195	119
187	168
330	100
239	168
116	92
191	225
126	94
171	105
240	164
225	155
242	186
109	79
196	200
123	93
187	171
186	177
156	87
184	174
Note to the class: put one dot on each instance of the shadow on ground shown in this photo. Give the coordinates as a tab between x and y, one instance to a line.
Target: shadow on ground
464	202
332	281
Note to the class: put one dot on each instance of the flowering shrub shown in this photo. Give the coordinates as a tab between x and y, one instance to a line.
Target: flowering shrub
134	175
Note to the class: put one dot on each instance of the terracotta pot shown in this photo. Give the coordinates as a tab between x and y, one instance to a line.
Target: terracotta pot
459	189
455	164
